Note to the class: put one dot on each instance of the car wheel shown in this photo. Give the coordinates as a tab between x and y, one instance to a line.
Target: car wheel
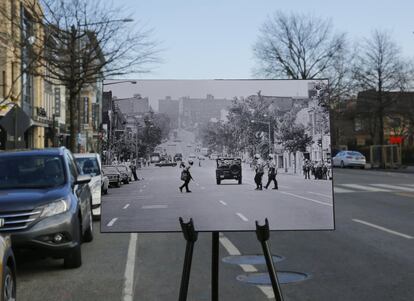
73	259
218	182
8	285
342	164
88	235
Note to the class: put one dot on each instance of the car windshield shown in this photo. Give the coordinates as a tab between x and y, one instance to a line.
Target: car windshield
88	166
110	169
31	172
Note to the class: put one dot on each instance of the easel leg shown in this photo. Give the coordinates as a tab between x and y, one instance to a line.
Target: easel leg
190	236
215	267
263	235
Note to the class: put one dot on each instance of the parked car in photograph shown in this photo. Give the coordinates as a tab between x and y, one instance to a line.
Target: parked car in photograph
349	158
46	203
90	164
113	175
166	163
125	173
7	269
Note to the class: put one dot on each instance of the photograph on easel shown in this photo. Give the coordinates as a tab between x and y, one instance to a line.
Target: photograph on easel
225	153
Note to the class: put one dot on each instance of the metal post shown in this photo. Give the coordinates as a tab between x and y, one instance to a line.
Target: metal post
263	234
215	267
190	236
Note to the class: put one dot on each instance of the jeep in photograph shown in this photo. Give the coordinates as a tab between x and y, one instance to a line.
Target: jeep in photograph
228	169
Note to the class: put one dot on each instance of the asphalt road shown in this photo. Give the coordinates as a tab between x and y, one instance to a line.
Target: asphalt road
368	257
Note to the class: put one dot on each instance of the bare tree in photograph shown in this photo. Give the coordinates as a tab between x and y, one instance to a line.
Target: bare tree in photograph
380	68
80	43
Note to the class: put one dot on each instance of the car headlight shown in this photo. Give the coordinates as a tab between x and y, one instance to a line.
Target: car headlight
55	208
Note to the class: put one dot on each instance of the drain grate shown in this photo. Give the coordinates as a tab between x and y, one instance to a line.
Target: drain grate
250	259
284	277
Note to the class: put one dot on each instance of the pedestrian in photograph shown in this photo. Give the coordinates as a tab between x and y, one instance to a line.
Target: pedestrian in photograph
259	169
307	169
186	176
272	172
134	171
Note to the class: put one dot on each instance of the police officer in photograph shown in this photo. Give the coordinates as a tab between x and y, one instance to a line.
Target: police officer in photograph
272	172
259	169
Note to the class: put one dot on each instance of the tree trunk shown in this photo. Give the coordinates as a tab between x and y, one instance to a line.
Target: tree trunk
72	122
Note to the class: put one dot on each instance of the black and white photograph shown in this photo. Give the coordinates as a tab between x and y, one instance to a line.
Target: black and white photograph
225	153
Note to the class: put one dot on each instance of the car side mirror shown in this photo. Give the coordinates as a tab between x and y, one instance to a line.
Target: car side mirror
83	179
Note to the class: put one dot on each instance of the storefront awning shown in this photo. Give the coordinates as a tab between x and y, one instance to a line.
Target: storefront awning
13	119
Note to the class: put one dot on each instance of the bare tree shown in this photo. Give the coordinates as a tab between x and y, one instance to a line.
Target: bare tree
300	47
79	43
378	70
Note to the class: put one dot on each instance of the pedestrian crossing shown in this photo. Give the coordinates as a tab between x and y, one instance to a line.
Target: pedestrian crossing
353	187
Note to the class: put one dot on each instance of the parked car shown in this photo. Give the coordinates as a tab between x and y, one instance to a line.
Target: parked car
7	269
228	168
46	203
349	158
90	164
113	175
125	173
166	163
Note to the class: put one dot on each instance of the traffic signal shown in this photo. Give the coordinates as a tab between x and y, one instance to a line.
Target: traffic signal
319	142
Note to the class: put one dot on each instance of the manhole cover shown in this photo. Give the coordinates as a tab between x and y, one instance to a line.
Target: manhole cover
250	259
264	279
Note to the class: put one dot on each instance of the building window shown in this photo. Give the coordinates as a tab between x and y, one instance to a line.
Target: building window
27	57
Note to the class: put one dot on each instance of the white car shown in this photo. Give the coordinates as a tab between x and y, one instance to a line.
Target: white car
349	158
90	164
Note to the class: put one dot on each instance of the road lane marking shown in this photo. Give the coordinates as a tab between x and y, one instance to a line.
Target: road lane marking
342	190
242	217
305	198
112	222
126	206
223	203
383	229
365	188
405	194
128	291
247	268
154	207
395	187
321	194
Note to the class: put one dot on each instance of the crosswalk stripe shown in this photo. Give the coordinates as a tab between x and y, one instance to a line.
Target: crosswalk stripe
365	188
394	187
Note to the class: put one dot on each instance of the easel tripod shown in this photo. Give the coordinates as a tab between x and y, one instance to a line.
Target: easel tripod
190	235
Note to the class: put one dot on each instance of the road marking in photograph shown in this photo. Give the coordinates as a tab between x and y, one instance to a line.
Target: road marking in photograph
126	206
383	229
242	217
405	194
321	194
112	222
154	207
128	290
223	202
365	188
394	187
308	199
247	268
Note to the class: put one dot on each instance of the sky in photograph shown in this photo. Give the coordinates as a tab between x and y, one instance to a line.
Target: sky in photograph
208	39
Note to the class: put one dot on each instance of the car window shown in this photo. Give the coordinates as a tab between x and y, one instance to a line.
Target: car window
42	171
73	171
88	166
